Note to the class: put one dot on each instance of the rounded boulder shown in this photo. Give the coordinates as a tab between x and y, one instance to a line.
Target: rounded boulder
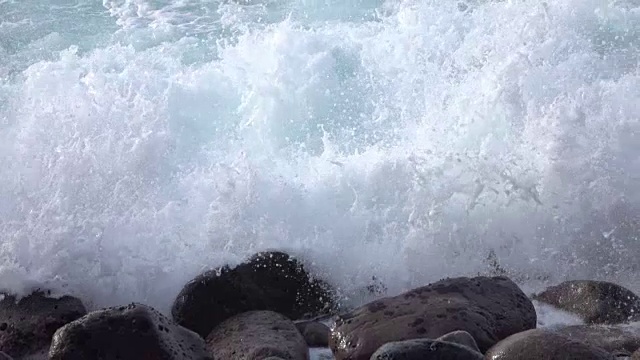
131	332
540	344
271	281
488	308
596	302
27	325
256	335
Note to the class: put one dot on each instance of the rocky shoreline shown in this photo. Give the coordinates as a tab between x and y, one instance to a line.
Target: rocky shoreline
266	308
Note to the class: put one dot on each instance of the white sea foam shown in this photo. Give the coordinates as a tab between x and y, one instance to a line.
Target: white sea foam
144	141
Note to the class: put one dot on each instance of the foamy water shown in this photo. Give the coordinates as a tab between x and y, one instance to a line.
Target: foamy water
142	141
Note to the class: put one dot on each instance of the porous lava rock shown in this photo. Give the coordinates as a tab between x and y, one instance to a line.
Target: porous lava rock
28	324
267	281
596	302
541	344
488	308
257	335
132	332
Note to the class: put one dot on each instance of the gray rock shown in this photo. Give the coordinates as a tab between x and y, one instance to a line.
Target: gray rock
316	334
425	349
488	308
540	344
27	325
596	302
267	281
460	337
130	332
256	335
614	338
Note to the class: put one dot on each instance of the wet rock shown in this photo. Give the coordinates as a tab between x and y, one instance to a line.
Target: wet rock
540	344
316	334
425	349
617	339
130	332
488	308
256	335
27	325
462	338
268	281
596	302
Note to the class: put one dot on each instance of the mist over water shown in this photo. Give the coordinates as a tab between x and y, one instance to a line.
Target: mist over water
142	142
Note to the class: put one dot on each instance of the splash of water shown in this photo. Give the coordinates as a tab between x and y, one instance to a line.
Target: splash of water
144	141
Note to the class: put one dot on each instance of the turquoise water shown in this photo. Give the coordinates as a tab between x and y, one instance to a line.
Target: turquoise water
142	142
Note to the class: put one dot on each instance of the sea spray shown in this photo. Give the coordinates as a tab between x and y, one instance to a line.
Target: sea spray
144	141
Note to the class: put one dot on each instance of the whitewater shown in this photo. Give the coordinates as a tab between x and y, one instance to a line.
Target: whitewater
394	142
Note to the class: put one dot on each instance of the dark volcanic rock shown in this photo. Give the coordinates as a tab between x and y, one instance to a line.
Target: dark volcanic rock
425	349
597	302
27	326
539	344
316	334
256	335
462	338
132	332
490	309
5	356
268	281
613	338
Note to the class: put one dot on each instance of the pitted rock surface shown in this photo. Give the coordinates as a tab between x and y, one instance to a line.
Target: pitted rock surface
257	335
596	302
488	308
541	344
27	325
267	281
132	332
